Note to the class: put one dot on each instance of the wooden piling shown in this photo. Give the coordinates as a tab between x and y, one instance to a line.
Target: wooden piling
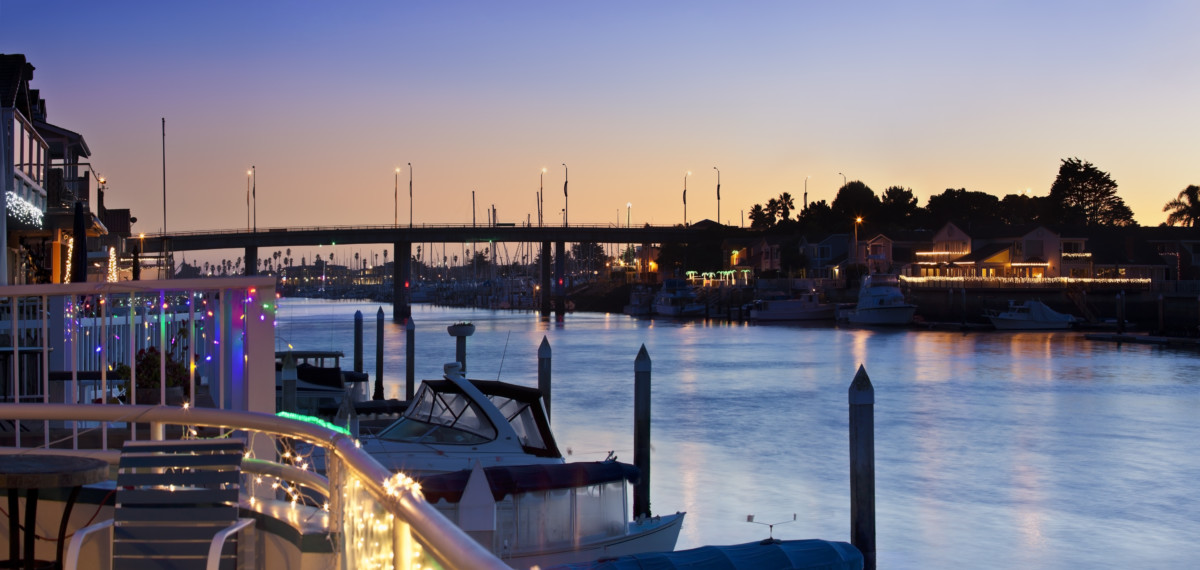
410	351
544	374
378	393
358	341
862	467
641	432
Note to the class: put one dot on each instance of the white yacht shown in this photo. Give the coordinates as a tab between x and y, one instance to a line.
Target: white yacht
484	454
803	307
677	299
880	302
1030	315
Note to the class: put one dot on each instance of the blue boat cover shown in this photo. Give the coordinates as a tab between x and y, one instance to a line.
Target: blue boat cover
766	555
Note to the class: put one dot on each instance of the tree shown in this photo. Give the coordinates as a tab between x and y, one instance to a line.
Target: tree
1087	195
853	200
1185	209
898	207
962	204
588	255
772	210
817	218
786	205
759	219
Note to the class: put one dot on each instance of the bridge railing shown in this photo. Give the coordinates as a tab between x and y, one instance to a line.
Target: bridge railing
236	231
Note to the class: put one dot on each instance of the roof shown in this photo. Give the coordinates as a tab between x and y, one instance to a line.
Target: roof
809	554
983	253
511	480
15	73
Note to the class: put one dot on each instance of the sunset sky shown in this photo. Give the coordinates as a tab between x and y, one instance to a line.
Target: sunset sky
327	99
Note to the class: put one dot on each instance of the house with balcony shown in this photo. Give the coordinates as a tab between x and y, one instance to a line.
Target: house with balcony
45	173
1018	251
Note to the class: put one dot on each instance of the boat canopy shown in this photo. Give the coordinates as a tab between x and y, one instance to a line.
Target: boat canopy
442	413
517	479
796	554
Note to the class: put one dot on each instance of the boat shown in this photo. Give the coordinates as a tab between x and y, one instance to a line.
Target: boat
803	307
677	299
880	302
542	510
641	302
1029	315
320	382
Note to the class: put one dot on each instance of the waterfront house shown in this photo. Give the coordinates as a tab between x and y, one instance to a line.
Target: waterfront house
1018	251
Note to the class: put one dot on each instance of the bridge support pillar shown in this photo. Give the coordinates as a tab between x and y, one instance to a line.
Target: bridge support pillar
251	258
560	285
545	296
402	281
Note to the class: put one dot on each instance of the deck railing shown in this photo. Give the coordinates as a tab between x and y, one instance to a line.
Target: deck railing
378	519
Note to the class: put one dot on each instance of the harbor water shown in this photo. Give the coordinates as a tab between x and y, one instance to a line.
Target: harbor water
993	450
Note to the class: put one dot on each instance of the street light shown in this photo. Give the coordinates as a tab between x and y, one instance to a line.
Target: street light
857	221
629	214
843	179
566	177
805	192
396	199
248	175
410	208
718	194
541	194
254	194
685	176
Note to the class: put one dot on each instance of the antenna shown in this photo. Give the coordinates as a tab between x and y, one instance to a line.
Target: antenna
770	526
503	354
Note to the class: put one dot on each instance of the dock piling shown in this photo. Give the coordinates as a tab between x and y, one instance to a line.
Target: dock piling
862	466
378	393
544	374
358	341
641	432
410	351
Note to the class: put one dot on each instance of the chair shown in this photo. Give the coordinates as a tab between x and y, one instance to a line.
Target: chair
176	508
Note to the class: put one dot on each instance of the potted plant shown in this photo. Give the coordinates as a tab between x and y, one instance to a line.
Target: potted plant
147	386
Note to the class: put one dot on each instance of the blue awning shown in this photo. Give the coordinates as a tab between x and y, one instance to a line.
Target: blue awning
766	555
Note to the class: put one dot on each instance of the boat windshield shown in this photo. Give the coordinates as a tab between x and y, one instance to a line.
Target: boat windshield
441	417
520	417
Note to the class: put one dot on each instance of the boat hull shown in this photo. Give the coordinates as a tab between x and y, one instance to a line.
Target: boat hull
1004	324
779	311
656	534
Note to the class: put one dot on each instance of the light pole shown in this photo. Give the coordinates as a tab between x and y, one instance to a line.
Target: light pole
410	208
685	177
248	175
805	193
718	194
843	179
396	199
857	221
629	214
541	194
254	194
566	177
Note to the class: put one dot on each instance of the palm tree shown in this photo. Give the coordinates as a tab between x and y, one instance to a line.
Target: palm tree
1185	209
786	205
772	211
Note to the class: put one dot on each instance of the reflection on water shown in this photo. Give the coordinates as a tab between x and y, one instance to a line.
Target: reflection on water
993	450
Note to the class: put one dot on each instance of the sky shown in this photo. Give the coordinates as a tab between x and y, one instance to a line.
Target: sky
325	100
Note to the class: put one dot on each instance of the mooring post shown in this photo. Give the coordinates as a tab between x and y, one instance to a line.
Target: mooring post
460	332
410	350
358	341
1161	317
378	393
544	374
862	467
641	432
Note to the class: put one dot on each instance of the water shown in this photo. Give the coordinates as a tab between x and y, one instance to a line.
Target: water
993	450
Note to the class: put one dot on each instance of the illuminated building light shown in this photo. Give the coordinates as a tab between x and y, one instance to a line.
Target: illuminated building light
70	255
1030	264
1077	256
24	211
942	252
1025	280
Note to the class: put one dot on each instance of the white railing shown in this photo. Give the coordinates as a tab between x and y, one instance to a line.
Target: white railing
378	519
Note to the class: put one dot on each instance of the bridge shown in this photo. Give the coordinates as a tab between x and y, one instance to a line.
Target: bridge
403	237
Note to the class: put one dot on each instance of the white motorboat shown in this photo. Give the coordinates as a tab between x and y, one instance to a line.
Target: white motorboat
320	383
1029	315
880	302
677	299
528	505
803	307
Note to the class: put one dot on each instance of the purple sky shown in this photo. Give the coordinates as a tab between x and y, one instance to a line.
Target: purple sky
327	99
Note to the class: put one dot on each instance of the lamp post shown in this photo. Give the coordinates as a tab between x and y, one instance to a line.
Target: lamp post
248	175
541	194
410	208
254	194
566	177
857	221
629	214
805	193
718	194
396	199
685	177
843	179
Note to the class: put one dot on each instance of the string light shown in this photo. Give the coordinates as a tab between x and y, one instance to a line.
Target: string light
24	211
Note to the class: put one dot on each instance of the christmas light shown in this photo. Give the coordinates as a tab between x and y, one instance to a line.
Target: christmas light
24	211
